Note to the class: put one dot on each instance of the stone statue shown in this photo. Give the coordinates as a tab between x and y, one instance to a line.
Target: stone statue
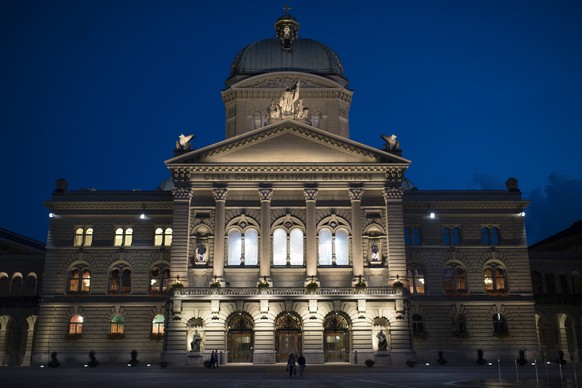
200	252
382	341
302	111
274	110
391	142
288	99
196	341
183	142
375	252
511	185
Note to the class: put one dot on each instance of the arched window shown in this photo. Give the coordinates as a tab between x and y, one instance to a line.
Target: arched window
494	278
16	286
564	289
30	284
79	280
4	284
159	277
333	247
243	247
455	278
325	247
158	325
576	283
163	237
117	323
83	237
120	280
287	248
536	280
417	326
123	237
490	235
499	326
76	324
415	275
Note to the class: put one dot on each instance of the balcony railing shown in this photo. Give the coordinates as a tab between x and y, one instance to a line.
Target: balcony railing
250	291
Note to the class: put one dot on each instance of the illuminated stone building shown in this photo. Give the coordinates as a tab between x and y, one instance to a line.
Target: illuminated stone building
285	237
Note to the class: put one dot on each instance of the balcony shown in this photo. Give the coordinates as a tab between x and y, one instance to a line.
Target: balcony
374	292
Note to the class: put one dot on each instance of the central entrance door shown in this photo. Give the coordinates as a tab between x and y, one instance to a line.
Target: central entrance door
336	334
241	337
288	336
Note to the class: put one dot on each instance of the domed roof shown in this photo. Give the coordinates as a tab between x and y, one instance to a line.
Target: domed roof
287	52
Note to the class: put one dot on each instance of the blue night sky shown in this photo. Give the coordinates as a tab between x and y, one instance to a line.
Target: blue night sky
97	92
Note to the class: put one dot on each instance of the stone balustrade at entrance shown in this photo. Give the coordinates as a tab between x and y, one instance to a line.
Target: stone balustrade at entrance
251	291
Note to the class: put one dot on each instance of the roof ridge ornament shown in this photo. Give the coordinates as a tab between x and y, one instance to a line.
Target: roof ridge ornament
286	29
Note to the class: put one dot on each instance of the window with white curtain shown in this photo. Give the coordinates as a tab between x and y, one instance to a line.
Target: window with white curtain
296	246
234	247
247	243
325	247
341	247
279	247
251	244
288	247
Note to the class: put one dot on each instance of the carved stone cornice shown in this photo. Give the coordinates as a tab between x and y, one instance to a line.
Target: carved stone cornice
220	193
180	174
395	174
265	193
182	193
356	193
310	193
393	194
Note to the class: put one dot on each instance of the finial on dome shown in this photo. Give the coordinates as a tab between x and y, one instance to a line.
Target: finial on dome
286	29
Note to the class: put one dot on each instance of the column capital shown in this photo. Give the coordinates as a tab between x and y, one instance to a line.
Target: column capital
356	193
393	193
182	193
219	193
265	193
310	193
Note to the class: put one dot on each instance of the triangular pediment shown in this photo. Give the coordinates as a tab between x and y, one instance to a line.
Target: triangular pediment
287	142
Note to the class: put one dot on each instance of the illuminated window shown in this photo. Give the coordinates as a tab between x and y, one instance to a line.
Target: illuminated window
76	324
120	280
490	235
163	237
159	277
123	237
288	247
415	276
333	247
494	278
158	325
243	247
455	278
117	323
79	280
83	237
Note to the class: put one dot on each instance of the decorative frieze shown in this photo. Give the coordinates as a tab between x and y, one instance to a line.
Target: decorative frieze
392	193
395	174
182	193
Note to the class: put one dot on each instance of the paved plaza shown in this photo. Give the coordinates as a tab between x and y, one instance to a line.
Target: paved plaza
267	376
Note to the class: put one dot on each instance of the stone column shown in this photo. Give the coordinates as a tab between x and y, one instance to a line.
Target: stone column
395	233
356	193
180	235
219	224
310	193
265	195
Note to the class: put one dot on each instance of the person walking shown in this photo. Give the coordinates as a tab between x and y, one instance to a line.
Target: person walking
301	363
291	365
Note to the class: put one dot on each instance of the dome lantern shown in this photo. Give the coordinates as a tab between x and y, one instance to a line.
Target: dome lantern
286	29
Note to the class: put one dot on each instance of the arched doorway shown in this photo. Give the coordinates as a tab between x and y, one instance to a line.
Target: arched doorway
336	336
567	337
288	335
241	337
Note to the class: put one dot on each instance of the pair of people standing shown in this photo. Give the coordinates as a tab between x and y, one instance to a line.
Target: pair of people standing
291	367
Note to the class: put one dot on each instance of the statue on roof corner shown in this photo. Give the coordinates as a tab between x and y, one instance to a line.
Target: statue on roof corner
391	143
184	142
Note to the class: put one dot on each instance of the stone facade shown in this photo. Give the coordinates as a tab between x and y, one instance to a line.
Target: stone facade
286	237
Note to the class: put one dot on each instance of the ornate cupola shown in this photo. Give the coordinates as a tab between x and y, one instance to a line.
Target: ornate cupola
286	29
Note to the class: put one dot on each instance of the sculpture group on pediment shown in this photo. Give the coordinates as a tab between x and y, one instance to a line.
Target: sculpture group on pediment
289	106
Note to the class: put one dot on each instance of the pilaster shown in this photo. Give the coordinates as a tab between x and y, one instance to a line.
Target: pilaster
265	195
310	193
180	234
220	194
356	193
395	233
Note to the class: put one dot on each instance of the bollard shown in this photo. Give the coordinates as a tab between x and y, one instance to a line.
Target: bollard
499	368
356	357
516	372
